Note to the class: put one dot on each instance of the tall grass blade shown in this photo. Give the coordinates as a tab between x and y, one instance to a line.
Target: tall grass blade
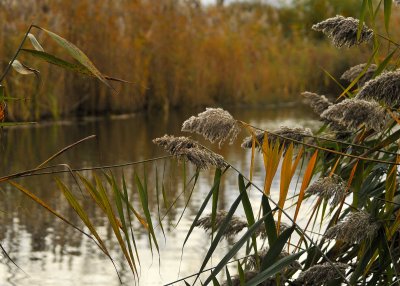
120	208
274	269
363	11
247	208
214	206
306	181
217	180
145	205
158	206
387	11
235	248
270	226
276	248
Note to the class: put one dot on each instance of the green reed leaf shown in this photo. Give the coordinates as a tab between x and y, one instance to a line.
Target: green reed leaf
120	209
276	248
247	208
145	206
77	54
215	195
363	11
217	239
270	226
274	269
236	247
387	11
217	180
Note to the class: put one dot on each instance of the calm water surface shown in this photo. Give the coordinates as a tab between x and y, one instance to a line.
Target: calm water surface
50	252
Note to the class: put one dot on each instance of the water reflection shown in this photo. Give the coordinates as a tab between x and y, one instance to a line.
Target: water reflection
52	253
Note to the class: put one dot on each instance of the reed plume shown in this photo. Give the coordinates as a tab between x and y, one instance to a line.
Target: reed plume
234	227
329	187
343	31
215	124
297	134
318	103
321	274
357	227
353	113
186	149
384	88
262	232
353	72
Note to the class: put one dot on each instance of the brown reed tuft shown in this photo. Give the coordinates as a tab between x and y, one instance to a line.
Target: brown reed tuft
357	227
343	31
318	103
187	149
248	275
235	224
321	274
252	259
353	113
215	124
329	187
384	88
353	72
297	134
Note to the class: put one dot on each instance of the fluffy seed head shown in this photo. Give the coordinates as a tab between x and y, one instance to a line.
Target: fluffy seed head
297	134
187	149
321	274
357	227
215	124
385	88
235	224
343	31
355	112
318	103
329	187
352	73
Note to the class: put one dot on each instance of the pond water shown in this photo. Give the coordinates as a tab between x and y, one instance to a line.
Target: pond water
49	252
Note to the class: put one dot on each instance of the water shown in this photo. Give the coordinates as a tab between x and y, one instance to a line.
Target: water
50	252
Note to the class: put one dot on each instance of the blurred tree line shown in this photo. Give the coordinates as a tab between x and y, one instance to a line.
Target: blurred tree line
177	52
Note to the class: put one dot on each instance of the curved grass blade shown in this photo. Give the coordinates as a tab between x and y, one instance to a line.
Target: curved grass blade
270	226
120	209
81	213
215	195
276	248
274	269
190	196
24	69
145	205
114	222
35	42
217	180
387	11
77	54
235	248
158	206
247	208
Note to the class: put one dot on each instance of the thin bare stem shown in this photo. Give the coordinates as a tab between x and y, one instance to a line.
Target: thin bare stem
15	55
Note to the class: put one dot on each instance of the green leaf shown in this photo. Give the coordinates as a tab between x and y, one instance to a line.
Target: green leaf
276	248
217	239
387	10
215	201
362	18
247	208
270	226
235	248
145	206
274	269
217	180
77	54
35	42
384	63
241	274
